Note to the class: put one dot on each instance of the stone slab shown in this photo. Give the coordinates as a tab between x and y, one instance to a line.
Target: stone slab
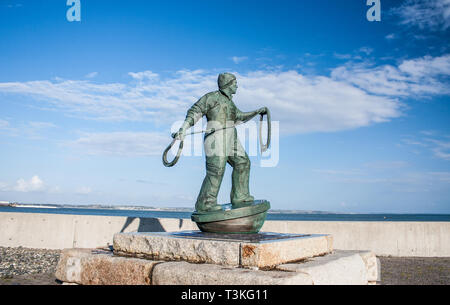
93	267
246	250
339	268
373	266
184	273
164	246
96	267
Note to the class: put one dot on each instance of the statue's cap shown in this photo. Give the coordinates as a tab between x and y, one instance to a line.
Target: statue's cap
225	80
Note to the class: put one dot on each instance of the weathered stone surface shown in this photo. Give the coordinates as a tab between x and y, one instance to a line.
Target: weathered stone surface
105	269
338	268
69	265
263	250
87	267
282	251
91	267
373	266
183	273
166	247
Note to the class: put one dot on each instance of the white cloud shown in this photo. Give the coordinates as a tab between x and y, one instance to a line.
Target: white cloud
425	14
143	75
4	124
338	172
33	185
426	67
428	132
237	59
413	142
440	176
365	50
85	190
14	5
352	96
346	56
91	75
411	78
313	103
441	149
122	143
385	165
404	180
437	144
356	55
32	130
41	125
390	36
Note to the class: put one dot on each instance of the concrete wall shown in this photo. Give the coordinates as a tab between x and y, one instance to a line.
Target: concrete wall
426	239
56	231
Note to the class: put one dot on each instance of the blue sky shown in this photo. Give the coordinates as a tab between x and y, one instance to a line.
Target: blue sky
363	107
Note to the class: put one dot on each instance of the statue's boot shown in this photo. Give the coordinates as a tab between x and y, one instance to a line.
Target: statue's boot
240	194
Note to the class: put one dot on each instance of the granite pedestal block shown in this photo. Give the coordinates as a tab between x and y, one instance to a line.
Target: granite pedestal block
260	250
94	267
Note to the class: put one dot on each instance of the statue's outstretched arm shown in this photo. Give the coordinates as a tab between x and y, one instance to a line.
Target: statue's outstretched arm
247	116
194	114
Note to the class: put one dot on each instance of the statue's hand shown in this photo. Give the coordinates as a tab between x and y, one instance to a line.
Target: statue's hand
262	110
180	134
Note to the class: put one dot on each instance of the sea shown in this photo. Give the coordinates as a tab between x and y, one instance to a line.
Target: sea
280	216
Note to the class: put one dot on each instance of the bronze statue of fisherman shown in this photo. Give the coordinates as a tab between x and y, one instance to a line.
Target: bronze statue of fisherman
222	146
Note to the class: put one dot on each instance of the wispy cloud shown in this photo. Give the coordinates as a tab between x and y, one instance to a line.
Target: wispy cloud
428	132
31	130
333	172
385	165
4	125
358	54
346	56
414	77
84	190
237	59
16	5
425	14
441	149
91	75
390	36
121	143
392	174
365	50
431	141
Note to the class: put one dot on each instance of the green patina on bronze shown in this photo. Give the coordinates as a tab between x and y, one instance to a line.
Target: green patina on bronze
248	218
256	207
222	146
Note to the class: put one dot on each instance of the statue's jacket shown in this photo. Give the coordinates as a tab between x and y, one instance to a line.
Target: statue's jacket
220	112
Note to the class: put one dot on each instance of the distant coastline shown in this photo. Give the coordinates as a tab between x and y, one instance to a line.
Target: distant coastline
95	206
186	213
142	208
7	204
181	209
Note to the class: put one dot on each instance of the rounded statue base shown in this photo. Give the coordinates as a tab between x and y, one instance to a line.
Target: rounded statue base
247	218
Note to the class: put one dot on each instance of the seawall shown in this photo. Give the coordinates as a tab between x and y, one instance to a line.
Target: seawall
57	231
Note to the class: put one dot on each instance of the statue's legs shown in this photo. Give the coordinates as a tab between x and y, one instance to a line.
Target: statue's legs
240	162
207	198
215	168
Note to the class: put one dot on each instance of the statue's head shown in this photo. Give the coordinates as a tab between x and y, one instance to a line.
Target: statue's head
227	83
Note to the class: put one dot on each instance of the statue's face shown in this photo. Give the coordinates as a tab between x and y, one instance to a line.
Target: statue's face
233	87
